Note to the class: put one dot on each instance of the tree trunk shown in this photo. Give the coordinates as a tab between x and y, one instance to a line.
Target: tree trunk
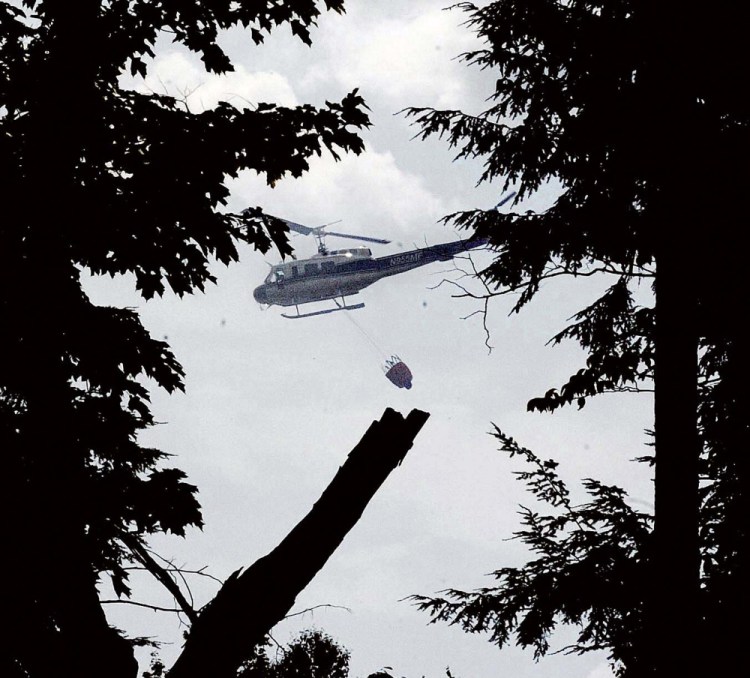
54	603
675	611
252	602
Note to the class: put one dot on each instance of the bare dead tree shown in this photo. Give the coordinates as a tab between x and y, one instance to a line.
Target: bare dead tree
253	600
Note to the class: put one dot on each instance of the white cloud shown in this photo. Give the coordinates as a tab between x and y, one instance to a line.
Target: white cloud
180	74
601	671
369	193
408	60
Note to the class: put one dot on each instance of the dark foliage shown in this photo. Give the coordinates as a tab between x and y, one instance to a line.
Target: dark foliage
591	561
578	101
618	337
589	570
312	654
634	110
111	181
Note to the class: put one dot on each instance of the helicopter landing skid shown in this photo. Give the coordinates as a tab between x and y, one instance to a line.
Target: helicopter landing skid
339	307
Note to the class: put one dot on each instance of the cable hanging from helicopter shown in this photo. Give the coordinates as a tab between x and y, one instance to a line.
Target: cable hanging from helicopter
394	368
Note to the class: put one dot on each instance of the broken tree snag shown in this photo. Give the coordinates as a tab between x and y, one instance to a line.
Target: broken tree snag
253	601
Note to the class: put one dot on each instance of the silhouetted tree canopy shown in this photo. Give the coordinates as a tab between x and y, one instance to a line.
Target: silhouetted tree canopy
107	180
311	654
591	560
635	112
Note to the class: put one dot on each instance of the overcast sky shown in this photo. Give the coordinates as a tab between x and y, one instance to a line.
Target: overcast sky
273	406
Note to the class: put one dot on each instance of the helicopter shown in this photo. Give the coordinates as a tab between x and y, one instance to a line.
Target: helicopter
336	274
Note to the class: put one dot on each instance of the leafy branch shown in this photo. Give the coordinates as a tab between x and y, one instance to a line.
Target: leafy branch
589	571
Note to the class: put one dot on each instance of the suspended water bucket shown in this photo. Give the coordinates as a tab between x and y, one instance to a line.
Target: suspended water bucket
397	372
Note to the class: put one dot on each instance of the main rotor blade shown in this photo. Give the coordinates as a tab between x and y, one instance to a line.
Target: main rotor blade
298	228
505	199
365	238
319	231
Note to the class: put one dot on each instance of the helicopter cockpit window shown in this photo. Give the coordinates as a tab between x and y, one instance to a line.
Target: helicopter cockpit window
275	275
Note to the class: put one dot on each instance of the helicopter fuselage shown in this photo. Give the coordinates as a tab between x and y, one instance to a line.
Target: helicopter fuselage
342	273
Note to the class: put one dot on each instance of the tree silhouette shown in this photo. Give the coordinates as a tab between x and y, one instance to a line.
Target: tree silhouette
103	179
633	109
312	654
592	561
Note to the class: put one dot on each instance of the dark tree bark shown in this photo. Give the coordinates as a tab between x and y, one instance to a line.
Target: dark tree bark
251	602
678	169
676	580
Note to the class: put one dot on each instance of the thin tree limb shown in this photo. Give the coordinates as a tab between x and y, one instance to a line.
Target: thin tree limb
145	558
